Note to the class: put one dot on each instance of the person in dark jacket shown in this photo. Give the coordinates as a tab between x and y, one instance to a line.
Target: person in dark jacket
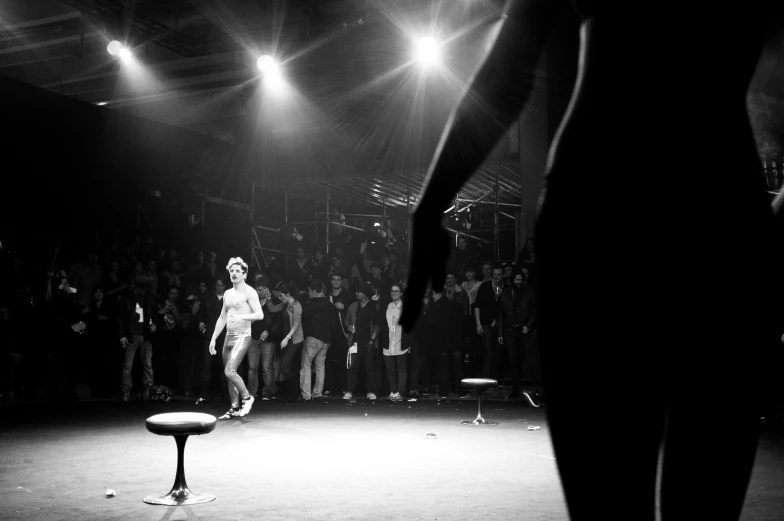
137	321
341	299
486	318
517	323
448	339
213	304
105	359
192	315
318	320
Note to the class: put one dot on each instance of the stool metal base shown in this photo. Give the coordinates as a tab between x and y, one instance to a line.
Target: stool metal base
180	497
478	421
179	493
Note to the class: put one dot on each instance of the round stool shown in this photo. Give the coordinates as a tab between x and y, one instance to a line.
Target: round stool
180	425
480	385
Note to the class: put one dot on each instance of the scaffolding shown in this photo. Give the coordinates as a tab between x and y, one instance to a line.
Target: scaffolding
381	199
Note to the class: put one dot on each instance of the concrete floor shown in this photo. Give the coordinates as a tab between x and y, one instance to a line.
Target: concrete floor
326	460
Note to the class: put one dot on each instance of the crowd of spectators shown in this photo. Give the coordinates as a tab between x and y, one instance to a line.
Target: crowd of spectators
134	322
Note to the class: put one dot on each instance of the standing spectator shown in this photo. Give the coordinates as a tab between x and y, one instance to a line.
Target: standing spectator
318	267
11	355
114	284
486	319
361	268
262	348
474	342
298	269
192	316
395	356
462	257
213	304
362	321
291	343
508	274
516	323
173	277
527	259
419	342
341	299
318	319
86	276
167	340
151	272
104	359
337	268
68	359
455	293
136	320
487	271
449	343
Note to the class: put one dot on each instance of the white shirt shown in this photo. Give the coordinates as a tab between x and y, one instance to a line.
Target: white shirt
395	330
140	311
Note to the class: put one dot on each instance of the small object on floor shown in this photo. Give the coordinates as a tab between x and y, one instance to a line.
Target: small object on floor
412	399
371	396
110	492
533	427
265	399
202	401
348	396
326	393
430	436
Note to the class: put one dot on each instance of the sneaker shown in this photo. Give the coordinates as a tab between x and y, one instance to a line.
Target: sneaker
126	397
246	405
414	394
348	396
371	396
398	397
234	412
265	398
326	393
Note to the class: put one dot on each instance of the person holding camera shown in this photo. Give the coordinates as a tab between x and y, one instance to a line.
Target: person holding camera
363	323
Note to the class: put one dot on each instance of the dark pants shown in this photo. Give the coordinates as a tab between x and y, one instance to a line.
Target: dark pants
417	357
335	377
514	341
491	352
450	371
366	357
290	361
165	359
396	372
210	365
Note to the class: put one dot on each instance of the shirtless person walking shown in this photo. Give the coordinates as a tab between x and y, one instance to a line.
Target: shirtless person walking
240	307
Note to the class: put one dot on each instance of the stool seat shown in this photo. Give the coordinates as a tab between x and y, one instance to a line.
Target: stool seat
173	423
480	384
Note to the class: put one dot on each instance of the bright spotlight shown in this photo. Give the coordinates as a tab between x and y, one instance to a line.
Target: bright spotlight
125	53
427	50
114	47
266	64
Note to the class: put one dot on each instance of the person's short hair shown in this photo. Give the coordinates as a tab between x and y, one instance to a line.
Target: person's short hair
240	262
261	280
284	289
316	286
375	264
497	266
470	268
364	288
336	274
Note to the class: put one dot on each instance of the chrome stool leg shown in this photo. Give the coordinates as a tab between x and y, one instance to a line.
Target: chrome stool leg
480	420
179	494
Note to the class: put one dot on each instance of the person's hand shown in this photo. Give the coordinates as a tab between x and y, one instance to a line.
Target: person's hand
429	254
212	347
124	342
264	336
493	323
500	340
339	305
202	327
284	342
479	329
525	330
153	328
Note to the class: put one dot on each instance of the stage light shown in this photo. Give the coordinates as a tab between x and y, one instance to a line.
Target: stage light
101	103
114	47
266	64
125	53
427	51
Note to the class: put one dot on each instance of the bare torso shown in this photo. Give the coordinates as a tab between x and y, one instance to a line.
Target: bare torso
236	303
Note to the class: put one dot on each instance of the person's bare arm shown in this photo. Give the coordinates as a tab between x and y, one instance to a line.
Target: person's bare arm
221	322
492	102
